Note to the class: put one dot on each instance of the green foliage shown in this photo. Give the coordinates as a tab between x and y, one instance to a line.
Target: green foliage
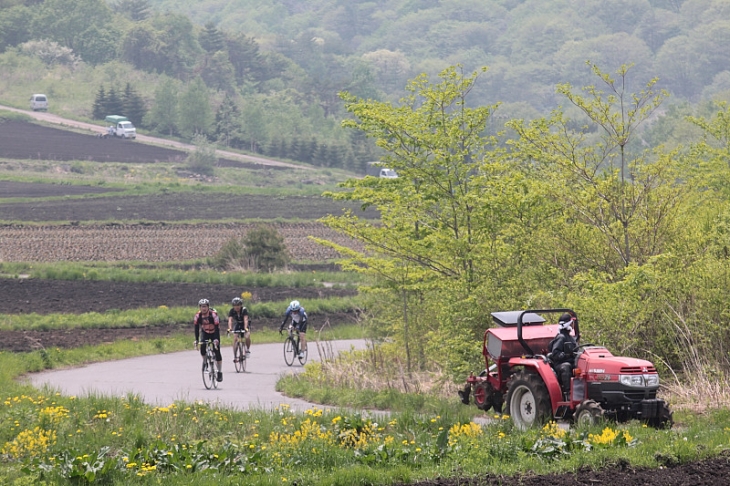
203	159
264	249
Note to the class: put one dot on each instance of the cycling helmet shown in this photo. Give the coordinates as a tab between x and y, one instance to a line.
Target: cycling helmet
565	322
203	302
237	301
294	305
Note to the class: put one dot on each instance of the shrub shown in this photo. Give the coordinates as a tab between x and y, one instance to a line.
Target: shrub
265	249
203	159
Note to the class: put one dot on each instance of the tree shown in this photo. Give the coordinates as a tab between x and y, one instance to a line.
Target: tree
600	175
134	10
134	106
442	239
98	111
203	159
195	116
228	122
113	104
211	39
265	248
164	113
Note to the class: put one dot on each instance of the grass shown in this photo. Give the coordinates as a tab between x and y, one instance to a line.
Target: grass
163	176
121	440
161	316
172	272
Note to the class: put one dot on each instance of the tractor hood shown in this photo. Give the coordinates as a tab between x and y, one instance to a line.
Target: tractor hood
599	360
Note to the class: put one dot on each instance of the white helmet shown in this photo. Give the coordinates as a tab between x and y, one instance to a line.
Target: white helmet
294	306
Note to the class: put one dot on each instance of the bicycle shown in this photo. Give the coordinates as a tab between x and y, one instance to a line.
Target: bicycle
210	368
239	351
291	348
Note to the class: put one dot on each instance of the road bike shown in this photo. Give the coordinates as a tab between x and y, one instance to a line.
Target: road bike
210	368
291	348
239	351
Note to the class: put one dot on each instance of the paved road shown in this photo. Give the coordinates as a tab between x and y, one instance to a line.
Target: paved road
51	118
161	379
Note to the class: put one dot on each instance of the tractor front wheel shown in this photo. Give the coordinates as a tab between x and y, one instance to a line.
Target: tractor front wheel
664	419
528	401
587	413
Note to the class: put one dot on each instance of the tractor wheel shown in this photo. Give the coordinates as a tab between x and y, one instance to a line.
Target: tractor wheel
528	401
664	420
587	413
482	392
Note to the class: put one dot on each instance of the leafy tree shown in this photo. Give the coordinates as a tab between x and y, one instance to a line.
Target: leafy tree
68	21
218	72
164	113
195	115
442	237
624	195
14	23
265	248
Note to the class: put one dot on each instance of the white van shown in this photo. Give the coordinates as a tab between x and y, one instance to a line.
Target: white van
39	102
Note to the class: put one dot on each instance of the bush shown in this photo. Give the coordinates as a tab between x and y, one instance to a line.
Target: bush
265	249
203	159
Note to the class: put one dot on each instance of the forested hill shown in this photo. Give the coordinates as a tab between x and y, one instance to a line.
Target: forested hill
264	74
529	45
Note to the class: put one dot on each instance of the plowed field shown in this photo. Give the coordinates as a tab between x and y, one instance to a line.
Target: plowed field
153	243
174	207
21	140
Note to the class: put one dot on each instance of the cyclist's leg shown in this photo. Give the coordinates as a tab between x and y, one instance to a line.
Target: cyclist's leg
219	361
248	341
303	337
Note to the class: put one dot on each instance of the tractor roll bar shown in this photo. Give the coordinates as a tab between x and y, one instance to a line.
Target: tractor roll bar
541	311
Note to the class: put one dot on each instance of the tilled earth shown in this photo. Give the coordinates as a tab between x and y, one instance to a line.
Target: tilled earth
40	296
712	472
77	296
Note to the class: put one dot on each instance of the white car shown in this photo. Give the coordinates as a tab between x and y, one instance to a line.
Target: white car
39	102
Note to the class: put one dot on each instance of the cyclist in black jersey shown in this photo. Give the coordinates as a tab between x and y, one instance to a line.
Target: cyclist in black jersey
238	321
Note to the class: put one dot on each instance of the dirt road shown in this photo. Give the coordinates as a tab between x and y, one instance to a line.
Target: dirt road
162	379
55	119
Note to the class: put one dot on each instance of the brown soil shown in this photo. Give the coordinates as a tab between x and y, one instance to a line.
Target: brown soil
204	206
22	140
713	472
40	296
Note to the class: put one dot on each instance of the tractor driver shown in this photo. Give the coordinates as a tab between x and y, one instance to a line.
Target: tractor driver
563	362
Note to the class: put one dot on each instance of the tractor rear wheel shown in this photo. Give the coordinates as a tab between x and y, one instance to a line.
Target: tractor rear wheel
588	412
528	401
664	420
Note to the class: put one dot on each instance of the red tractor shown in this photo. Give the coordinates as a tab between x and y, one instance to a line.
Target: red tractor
519	373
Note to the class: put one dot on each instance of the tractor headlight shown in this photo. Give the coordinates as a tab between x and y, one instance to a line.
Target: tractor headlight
632	380
651	380
639	380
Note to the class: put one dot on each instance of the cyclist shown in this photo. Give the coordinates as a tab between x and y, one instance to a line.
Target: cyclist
299	321
207	326
238	315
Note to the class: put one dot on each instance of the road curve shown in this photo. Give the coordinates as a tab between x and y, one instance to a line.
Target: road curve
51	118
164	378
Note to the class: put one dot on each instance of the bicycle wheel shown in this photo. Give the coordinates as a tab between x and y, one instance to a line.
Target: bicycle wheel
303	356
213	369
208	378
239	357
290	351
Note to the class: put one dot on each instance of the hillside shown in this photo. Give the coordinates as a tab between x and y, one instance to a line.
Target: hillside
264	75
